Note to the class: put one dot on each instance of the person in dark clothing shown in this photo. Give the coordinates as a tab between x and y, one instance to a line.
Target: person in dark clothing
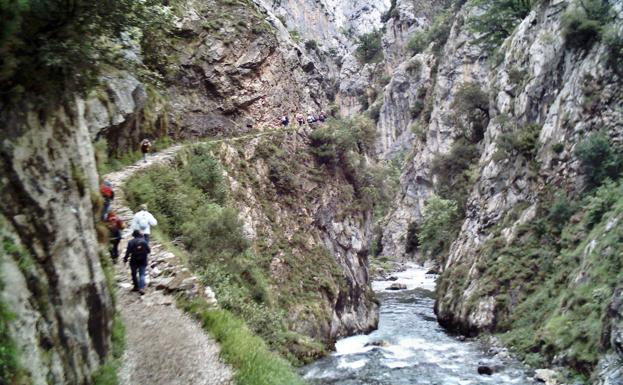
137	252
145	148
108	194
322	117
115	225
285	120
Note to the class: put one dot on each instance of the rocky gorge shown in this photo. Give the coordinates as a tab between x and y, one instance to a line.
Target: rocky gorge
480	136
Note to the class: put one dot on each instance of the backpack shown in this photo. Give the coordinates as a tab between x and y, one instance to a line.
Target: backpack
140	252
142	223
106	192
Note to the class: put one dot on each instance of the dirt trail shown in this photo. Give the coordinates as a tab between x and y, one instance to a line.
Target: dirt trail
163	345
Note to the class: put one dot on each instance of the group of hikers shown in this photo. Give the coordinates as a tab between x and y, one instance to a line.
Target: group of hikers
138	247
300	119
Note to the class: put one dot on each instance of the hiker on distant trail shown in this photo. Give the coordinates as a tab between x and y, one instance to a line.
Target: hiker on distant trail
300	119
108	194
145	147
137	251
285	120
143	221
115	225
311	119
322	117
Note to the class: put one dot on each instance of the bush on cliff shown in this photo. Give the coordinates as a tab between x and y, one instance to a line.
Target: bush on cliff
498	19
369	48
584	23
599	159
438	229
49	46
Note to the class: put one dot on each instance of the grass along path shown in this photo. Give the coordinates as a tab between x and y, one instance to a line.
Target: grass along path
166	346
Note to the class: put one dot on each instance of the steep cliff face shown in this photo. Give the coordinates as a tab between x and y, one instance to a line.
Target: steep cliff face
459	63
546	97
301	217
52	278
239	70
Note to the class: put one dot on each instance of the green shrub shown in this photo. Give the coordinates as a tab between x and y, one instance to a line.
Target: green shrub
334	140
471	104
419	130
412	241
614	41
601	202
561	210
311	45
369	48
374	112
438	228
498	19
253	362
213	230
47	46
437	33
598	158
452	170
583	23
558	148
205	172
523	141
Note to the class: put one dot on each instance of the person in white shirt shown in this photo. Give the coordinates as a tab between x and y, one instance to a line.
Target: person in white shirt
143	221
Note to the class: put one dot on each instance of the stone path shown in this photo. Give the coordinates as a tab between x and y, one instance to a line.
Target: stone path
163	345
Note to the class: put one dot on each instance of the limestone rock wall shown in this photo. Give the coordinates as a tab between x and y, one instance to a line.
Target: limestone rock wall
309	232
459	63
53	281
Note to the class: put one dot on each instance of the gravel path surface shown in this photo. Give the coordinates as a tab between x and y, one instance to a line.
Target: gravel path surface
163	345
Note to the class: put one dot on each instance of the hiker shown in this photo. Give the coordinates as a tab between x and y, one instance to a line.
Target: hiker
108	194
300	119
145	147
115	225
311	119
285	120
142	221
322	117
137	252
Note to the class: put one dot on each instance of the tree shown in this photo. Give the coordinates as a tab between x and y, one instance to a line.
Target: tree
438	228
499	19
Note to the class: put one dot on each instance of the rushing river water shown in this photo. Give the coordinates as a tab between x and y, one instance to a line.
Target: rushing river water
416	349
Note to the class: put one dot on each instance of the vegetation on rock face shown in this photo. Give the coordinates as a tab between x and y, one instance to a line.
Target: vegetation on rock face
255	364
599	159
438	229
369	48
553	279
498	19
192	203
47	47
437	33
583	23
10	369
344	144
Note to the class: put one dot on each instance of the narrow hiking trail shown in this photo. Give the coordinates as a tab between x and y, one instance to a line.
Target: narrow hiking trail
164	346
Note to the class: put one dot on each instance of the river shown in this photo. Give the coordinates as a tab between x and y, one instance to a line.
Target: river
416	350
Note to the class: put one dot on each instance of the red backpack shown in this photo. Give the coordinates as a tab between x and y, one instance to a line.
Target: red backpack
106	191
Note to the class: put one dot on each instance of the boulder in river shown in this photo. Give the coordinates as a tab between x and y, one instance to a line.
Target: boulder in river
485	370
392	278
488	367
396	286
379	343
548	376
